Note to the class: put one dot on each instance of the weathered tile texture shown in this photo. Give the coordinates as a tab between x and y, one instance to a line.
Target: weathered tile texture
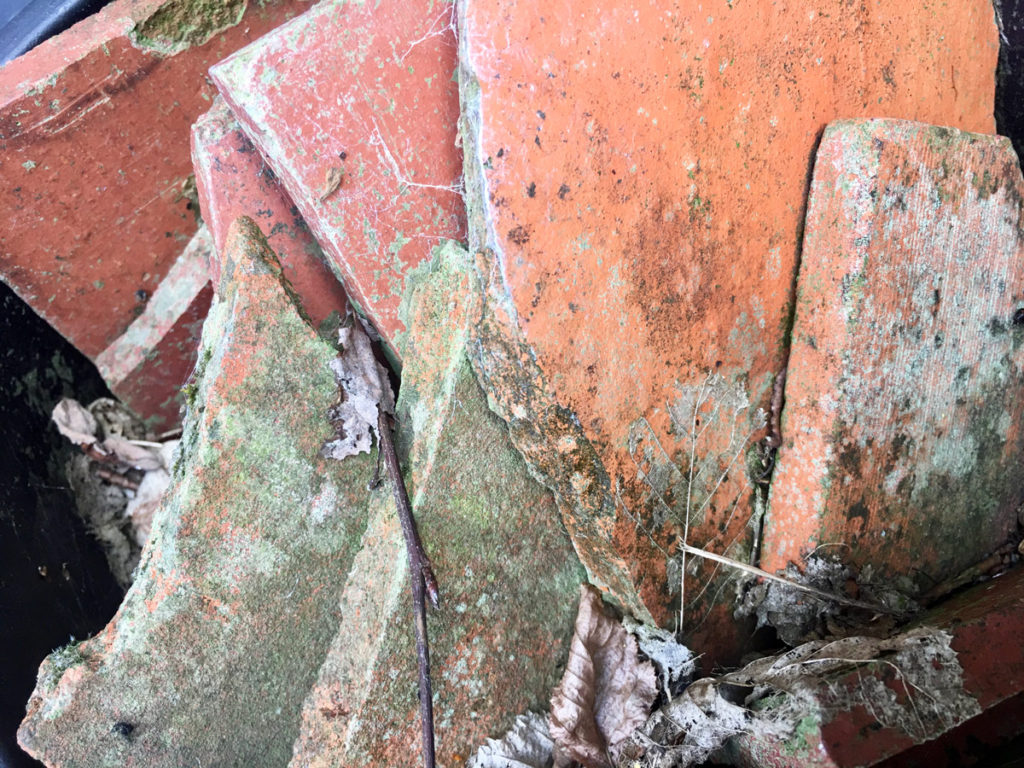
148	363
94	159
363	94
636	179
506	569
902	430
221	635
233	180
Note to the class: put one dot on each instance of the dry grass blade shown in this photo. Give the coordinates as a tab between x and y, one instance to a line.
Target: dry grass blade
780	580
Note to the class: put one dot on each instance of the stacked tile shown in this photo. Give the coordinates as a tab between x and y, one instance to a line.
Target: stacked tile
636	191
232	181
220	636
355	109
508	575
903	426
95	171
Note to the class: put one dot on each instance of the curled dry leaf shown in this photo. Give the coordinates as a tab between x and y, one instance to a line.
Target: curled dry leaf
527	745
605	693
150	494
362	384
81	427
75	422
912	682
675	663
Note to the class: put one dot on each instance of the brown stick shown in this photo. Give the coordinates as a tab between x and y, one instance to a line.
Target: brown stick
115	479
423	582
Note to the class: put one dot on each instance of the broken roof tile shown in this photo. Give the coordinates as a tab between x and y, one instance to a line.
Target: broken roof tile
903	426
355	108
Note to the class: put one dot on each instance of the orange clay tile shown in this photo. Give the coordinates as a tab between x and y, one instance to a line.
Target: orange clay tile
94	162
902	429
150	362
636	179
355	108
233	180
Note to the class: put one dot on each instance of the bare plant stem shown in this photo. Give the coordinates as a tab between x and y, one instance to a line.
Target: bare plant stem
728	561
115	479
424	584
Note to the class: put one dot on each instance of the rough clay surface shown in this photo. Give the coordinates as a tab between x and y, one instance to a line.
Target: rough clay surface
355	107
95	174
233	180
902	430
146	365
221	635
506	569
636	192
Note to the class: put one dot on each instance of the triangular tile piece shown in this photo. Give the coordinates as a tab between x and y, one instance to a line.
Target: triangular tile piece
219	639
507	573
233	180
355	107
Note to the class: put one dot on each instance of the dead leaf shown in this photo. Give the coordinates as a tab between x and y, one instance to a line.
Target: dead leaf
362	385
772	697
116	420
606	691
527	745
335	176
75	422
147	500
675	663
130	452
688	729
150	493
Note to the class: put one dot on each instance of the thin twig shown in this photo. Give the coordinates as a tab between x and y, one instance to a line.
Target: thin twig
115	479
795	585
423	582
697	402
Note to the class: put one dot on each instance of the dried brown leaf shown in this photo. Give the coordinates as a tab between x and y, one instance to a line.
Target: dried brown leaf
130	452
606	691
75	422
362	385
912	682
149	495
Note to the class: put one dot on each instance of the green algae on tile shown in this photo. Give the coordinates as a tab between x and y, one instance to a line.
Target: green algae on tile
507	572
221	635
180	24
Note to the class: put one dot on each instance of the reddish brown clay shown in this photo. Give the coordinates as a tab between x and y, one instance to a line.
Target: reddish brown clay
355	108
636	179
94	160
233	180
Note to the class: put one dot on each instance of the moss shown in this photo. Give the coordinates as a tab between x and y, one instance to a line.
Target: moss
180	24
59	662
986	185
273	264
804	738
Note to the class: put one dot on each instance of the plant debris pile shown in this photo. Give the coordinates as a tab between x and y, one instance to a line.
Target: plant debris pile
599	717
119	478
